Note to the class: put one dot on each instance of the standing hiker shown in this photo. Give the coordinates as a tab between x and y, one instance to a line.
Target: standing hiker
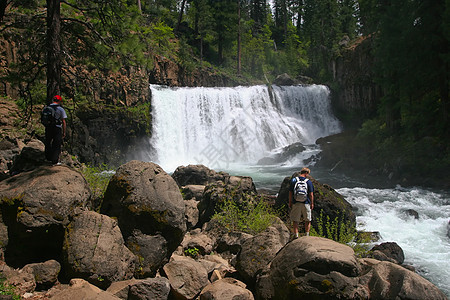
53	117
301	201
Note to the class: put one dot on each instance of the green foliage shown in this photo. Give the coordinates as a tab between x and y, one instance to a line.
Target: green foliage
97	178
192	252
6	289
340	231
247	217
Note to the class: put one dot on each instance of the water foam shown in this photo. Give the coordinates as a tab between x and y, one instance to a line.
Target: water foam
424	240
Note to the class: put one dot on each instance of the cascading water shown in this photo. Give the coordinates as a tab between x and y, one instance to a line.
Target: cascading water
219	126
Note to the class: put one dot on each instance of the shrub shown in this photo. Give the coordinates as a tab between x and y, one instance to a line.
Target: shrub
249	217
6	289
340	231
97	179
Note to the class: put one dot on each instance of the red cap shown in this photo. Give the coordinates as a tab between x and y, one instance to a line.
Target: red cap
57	98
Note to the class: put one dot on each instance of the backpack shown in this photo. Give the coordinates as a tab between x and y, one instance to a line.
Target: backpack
48	116
301	190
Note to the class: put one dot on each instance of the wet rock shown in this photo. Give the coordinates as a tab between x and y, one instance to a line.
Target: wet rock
389	251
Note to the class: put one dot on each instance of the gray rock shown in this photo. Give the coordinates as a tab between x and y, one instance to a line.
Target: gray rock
31	156
312	267
389	251
37	205
151	251
199	240
284	80
197	175
94	250
387	280
257	252
225	241
142	196
150	288
226	289
45	274
187	277
79	289
193	191
191	213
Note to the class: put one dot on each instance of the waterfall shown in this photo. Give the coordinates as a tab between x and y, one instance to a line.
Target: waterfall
218	126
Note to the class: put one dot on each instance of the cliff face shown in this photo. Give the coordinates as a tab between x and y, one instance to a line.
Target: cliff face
168	72
357	95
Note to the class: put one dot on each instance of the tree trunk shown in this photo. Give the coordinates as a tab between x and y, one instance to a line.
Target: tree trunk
239	39
180	16
53	49
139	5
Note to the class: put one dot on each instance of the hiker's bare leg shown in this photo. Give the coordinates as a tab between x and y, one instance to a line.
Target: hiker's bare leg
307	227
295	228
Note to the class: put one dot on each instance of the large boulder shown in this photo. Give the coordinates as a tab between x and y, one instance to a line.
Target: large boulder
141	289
387	280
257	252
197	175
145	198
187	277
326	201
225	289
238	189
36	206
312	268
94	250
31	156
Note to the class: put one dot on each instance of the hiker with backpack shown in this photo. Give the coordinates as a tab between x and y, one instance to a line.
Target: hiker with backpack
53	118
301	201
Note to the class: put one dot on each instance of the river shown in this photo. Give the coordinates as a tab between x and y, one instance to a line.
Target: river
230	129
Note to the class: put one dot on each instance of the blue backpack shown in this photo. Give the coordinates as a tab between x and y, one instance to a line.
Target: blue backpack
301	190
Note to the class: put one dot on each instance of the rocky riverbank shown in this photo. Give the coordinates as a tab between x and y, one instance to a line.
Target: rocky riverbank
153	238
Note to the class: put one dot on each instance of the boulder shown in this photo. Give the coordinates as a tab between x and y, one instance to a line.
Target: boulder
389	251
238	189
30	157
224	240
226	289
326	201
193	191
286	153
9	149
142	289
151	251
191	213
312	268
143	197
284	80
258	251
197	175
36	206
216	266
150	288
187	277
387	280
45	274
196	239
80	289
411	213
94	250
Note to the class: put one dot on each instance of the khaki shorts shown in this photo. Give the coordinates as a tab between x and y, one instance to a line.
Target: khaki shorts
300	212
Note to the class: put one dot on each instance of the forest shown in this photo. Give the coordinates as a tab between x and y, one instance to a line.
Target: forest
252	41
